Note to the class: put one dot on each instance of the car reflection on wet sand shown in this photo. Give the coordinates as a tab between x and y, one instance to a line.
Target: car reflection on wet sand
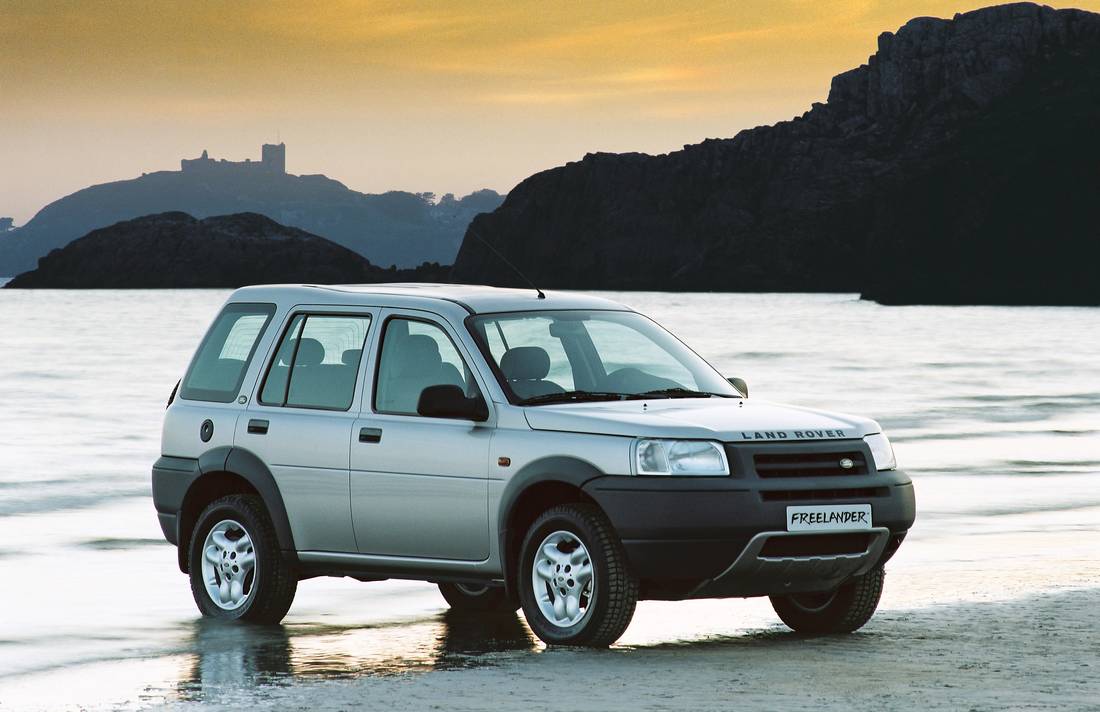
930	657
239	657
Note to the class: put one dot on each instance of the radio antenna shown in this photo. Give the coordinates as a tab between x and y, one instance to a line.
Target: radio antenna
506	261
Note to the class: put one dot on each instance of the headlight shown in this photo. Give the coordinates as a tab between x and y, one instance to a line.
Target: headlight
882	451
680	457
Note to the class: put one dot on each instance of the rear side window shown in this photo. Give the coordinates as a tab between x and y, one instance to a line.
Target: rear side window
317	362
223	357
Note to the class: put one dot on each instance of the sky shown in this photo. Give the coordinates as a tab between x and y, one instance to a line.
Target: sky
421	96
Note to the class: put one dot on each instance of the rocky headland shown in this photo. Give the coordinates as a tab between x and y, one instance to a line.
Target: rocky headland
394	228
960	165
176	250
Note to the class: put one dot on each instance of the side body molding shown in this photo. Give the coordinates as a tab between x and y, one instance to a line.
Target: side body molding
560	470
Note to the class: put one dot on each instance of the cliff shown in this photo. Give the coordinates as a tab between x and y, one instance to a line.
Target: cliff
175	250
392	228
961	164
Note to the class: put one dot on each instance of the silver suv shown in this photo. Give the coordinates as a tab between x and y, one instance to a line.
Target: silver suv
558	452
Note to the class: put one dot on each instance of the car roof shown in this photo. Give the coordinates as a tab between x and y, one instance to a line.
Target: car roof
475	299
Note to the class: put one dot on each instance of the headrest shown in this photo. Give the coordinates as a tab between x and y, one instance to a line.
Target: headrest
419	353
397	329
310	353
351	357
525	363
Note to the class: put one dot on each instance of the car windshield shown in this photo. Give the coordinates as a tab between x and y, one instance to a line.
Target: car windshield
571	356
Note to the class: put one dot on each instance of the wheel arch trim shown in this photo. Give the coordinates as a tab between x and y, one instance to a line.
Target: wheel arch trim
246	465
560	470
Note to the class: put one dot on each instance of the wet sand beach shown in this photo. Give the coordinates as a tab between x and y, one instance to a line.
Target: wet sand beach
1035	653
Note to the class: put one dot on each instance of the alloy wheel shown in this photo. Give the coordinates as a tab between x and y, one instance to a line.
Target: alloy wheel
229	565
563	579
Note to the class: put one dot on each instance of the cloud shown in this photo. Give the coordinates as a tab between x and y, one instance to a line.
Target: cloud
604	87
343	21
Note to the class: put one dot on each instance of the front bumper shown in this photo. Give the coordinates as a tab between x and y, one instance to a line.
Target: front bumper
714	537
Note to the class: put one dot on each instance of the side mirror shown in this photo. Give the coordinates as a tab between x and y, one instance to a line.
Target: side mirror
740	385
451	402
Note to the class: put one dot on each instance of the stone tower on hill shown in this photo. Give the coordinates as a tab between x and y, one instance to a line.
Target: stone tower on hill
273	156
272	160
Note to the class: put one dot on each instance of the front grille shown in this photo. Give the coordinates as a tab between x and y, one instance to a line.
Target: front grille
809	464
816	545
808	495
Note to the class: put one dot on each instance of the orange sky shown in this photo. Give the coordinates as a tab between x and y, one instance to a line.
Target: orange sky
424	96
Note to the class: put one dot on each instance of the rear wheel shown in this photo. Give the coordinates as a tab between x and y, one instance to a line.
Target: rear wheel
844	610
237	570
471	597
574	582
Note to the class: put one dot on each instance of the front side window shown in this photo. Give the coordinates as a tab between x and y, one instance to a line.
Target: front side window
219	366
416	355
559	356
317	362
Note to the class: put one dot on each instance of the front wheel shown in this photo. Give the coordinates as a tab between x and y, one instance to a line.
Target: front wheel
237	570
473	598
844	610
574	582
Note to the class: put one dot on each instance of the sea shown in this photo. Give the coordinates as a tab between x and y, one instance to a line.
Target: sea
994	411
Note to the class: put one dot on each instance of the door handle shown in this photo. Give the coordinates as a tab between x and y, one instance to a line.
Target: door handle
257	427
370	435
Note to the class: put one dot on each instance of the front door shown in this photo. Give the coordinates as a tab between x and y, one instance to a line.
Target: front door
301	419
419	486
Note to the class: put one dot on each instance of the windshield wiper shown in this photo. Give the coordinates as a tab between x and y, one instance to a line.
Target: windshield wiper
574	397
679	392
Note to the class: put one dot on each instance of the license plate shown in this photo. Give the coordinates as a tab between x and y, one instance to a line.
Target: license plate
829	518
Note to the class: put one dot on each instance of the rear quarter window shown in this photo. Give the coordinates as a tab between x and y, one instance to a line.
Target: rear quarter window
218	369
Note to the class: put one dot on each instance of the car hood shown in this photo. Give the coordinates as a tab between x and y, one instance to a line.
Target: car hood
725	419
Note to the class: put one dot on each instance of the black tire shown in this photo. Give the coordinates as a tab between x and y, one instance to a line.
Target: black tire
844	610
615	593
272	589
467	597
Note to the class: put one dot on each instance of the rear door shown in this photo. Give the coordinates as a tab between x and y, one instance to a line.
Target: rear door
301	418
419	485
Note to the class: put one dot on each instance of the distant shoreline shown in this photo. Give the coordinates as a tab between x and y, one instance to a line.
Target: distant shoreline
854	295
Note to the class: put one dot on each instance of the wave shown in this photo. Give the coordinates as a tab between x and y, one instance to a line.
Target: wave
23	484
998	397
117	544
932	416
42	375
54	503
1046	463
767	354
995	469
1012	510
976	434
